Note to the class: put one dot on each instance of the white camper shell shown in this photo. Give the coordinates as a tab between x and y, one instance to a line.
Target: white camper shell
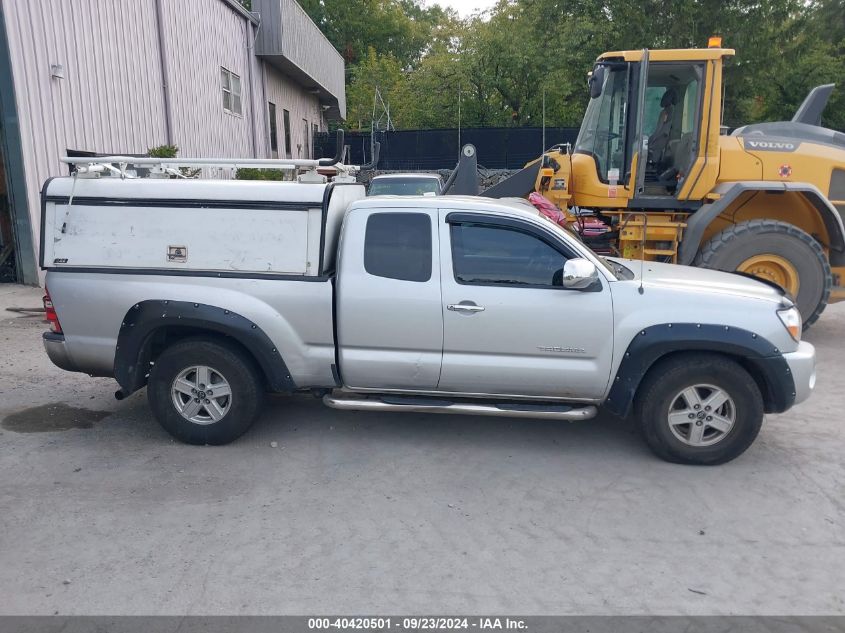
260	227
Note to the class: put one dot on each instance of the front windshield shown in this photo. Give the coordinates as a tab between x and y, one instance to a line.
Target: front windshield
404	187
602	134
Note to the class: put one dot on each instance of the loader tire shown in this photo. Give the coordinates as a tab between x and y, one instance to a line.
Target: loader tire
768	246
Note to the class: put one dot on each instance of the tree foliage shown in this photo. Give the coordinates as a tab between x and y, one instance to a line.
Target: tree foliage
494	68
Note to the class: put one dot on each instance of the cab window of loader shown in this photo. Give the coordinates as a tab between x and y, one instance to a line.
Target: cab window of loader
671	122
602	134
690	120
653	94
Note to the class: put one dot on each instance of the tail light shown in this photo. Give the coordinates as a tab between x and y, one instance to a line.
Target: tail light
50	313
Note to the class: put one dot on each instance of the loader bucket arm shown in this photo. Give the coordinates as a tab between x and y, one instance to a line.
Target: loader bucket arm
463	181
517	186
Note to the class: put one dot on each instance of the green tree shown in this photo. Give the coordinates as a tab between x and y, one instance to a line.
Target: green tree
374	71
502	63
401	28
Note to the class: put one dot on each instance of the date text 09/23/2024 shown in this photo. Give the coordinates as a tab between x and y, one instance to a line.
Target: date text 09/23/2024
424	623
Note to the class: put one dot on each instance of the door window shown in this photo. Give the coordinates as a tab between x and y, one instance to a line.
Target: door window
398	246
489	255
670	118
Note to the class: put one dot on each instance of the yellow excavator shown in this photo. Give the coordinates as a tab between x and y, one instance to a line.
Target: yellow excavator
655	175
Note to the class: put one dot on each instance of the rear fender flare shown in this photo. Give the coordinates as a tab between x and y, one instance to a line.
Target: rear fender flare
698	222
145	318
759	357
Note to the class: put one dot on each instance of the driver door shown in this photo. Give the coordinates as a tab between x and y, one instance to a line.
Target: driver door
510	328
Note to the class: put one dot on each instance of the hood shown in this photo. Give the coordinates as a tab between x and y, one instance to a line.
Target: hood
690	278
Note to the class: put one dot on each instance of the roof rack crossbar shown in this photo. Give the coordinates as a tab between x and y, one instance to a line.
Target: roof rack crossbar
274	163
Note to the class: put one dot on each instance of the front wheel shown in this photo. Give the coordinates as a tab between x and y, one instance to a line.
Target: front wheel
778	252
699	409
205	391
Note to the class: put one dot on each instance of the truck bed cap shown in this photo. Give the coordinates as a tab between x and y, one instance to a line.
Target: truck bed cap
191	189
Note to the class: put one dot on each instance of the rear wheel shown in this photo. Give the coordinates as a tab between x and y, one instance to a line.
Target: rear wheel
699	409
778	252
205	392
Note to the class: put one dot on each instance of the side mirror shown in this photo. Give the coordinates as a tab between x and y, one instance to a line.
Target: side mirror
596	81
579	274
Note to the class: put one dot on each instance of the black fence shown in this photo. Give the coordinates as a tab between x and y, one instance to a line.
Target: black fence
498	148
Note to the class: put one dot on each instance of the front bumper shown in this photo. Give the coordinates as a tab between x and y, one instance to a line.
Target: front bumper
54	344
802	366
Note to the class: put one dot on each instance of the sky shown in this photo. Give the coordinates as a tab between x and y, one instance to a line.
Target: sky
464	7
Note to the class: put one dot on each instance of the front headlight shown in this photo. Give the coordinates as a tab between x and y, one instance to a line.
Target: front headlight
791	319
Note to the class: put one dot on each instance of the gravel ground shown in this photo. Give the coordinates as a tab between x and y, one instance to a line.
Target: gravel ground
102	513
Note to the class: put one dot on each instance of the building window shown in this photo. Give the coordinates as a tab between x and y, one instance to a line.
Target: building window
231	91
315	129
306	142
286	115
274	134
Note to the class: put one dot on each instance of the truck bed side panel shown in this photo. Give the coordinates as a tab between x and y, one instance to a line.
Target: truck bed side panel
296	315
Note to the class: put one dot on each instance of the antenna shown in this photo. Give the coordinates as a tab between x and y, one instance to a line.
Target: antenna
543	149
382	123
459	114
628	219
641	290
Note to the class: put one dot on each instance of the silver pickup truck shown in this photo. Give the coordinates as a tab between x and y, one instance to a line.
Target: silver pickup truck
211	293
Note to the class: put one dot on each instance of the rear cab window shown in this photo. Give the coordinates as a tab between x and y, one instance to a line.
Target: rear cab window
398	246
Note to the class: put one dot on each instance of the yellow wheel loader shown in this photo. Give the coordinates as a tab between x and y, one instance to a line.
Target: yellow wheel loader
654	167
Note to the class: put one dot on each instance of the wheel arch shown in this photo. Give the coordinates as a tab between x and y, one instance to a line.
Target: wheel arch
659	343
150	326
741	201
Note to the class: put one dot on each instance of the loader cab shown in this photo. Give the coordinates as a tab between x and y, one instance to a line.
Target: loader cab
646	126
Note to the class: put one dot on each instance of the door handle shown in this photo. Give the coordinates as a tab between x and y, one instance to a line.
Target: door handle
464	307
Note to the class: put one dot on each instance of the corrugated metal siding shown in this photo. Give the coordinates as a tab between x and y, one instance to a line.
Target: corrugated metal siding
112	96
209	32
306	46
282	91
287	31
110	99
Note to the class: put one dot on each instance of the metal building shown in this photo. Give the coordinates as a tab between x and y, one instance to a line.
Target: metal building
123	76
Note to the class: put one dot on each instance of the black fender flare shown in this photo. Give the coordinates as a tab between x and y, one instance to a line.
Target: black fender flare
698	222
145	318
762	359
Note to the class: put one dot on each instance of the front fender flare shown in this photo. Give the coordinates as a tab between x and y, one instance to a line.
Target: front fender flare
132	354
698	222
756	353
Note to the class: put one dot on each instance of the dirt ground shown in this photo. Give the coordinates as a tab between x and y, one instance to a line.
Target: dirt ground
318	511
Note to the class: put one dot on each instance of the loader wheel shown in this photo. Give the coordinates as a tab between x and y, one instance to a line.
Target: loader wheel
774	251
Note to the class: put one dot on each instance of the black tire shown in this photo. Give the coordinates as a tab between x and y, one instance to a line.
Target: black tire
227	361
669	378
728	249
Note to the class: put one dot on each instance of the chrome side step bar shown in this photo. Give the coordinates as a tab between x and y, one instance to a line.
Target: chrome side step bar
435	405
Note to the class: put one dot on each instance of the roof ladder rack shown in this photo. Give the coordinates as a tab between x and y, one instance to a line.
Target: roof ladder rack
94	166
